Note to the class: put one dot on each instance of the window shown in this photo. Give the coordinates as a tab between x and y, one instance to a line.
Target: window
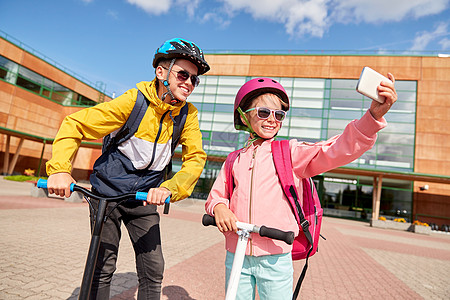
320	109
38	84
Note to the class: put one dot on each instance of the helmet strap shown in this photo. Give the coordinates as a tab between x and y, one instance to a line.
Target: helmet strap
167	86
247	128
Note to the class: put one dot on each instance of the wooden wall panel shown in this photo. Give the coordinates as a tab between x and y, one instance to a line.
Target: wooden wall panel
6	96
313	66
433	166
431	87
11	51
433	117
426	139
235	65
290	66
404	68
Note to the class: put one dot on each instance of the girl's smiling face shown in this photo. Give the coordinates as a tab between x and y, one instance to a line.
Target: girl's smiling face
264	128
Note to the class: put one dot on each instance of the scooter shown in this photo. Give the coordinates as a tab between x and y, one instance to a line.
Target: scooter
99	219
244	230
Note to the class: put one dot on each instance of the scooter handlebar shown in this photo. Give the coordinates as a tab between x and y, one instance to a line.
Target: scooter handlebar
208	220
285	236
42	183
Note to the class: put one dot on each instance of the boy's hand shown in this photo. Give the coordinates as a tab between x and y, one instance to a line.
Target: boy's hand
225	218
387	89
157	196
59	184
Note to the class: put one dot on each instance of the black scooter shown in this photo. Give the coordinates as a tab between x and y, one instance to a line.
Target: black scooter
99	220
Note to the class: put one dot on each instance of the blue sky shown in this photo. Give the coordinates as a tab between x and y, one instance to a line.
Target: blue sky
114	41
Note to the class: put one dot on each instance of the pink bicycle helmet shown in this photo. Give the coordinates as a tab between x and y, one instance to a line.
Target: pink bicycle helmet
254	88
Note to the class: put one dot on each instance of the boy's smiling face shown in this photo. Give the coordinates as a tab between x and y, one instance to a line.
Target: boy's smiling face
181	89
267	128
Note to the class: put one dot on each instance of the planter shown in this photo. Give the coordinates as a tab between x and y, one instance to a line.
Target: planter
421	229
37	192
388	224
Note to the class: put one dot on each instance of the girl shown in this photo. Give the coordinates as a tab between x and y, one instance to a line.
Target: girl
258	198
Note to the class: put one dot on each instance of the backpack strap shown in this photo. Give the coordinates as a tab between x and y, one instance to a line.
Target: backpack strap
178	125
283	164
130	126
231	158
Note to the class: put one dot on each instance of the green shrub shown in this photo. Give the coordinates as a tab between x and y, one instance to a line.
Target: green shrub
22	178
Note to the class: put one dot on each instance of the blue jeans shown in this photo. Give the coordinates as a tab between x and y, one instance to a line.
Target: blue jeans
271	274
142	223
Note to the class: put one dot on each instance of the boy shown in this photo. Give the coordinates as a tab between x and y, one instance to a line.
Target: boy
138	163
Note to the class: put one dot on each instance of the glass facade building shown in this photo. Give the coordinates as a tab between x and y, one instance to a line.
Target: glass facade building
320	109
23	77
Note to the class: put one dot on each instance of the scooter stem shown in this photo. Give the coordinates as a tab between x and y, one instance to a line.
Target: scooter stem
238	261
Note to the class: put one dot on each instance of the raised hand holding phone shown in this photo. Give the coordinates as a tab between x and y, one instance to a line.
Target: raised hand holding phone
380	89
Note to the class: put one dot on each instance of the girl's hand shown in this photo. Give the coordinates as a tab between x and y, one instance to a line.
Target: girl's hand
225	218
157	196
59	184
387	89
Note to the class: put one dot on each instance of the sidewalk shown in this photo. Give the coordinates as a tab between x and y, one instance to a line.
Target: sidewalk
44	243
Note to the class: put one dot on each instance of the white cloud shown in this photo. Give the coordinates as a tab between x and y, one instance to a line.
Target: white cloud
189	5
314	17
113	14
298	16
154	7
423	38
301	17
375	11
445	43
159	7
216	18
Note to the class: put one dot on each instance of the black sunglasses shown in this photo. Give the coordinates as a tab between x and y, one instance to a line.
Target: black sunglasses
264	113
183	75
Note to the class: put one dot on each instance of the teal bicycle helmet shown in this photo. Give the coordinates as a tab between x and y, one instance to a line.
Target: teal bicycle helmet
180	48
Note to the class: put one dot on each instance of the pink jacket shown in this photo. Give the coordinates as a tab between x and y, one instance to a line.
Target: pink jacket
258	197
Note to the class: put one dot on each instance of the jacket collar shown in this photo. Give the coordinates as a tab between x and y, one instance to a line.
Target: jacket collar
264	144
150	92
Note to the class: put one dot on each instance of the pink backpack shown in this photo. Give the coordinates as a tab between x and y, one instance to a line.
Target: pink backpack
308	216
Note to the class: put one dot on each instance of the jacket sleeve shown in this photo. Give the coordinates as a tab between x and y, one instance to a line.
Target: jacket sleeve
359	136
88	124
193	159
218	194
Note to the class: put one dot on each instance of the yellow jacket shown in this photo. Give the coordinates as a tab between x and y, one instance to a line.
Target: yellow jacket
96	122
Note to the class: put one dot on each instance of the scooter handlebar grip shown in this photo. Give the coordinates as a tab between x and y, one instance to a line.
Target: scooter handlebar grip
141	196
41	183
208	220
286	236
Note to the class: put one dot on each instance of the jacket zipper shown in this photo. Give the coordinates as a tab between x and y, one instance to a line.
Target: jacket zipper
154	145
252	166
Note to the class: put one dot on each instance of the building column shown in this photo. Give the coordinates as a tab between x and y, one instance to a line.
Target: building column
376	196
6	158
15	157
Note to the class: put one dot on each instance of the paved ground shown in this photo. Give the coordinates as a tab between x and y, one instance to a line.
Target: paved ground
44	241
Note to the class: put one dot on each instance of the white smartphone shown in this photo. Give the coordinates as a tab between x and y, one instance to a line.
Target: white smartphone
368	84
